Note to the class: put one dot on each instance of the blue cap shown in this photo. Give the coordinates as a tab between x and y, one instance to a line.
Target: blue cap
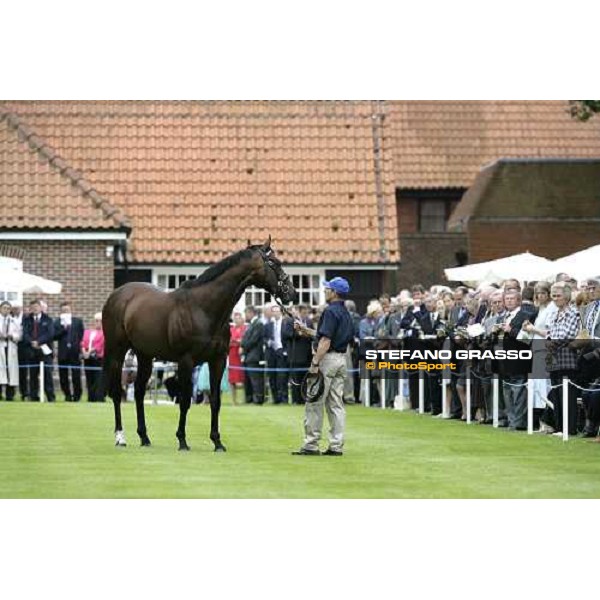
338	285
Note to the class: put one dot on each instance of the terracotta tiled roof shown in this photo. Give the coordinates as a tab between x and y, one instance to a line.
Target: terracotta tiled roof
445	144
199	178
38	189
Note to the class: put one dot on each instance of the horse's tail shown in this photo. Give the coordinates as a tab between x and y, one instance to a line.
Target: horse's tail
116	342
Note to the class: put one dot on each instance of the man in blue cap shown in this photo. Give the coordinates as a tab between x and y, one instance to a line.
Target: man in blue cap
334	332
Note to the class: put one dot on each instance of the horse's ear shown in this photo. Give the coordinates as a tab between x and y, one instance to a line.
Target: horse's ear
267	244
249	243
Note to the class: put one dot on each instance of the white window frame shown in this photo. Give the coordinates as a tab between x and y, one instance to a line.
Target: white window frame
15	298
159	274
160	277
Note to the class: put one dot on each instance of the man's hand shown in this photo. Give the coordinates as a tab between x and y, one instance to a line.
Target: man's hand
313	368
35	344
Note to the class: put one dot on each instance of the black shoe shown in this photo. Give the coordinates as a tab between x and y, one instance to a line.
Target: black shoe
588	434
306	452
330	452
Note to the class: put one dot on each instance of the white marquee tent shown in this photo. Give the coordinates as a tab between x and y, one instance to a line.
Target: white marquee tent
14	279
524	267
581	265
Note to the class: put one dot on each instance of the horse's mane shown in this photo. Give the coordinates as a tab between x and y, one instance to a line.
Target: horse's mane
218	269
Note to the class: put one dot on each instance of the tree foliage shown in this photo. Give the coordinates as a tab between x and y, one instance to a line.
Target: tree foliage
582	110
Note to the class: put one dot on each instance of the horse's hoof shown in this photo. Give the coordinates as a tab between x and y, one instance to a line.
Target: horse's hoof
220	449
184	447
120	439
120	444
146	442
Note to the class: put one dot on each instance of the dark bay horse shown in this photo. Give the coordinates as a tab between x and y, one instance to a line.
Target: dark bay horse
188	325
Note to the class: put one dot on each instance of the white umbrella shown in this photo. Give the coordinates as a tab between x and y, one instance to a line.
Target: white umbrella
581	265
13	280
523	267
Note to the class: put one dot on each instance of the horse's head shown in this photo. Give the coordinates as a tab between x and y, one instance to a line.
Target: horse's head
270	274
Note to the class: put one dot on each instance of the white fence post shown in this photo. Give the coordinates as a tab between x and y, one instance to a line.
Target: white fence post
495	399
530	406
42	382
367	382
421	393
444	395
383	389
468	376
398	398
565	409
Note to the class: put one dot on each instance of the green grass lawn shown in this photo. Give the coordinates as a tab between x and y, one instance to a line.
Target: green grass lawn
66	451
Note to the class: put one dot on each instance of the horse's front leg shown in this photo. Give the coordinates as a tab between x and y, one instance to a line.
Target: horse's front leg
184	375
217	366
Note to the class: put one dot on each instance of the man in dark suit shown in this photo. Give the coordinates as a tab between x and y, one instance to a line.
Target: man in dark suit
514	372
527	305
68	330
270	358
459	317
299	351
38	335
352	384
254	354
277	357
429	322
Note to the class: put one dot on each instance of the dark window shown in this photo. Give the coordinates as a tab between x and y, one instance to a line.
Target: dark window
430	208
432	216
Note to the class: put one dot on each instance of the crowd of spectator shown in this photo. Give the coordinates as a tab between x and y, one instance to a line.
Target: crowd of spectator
268	356
29	337
559	323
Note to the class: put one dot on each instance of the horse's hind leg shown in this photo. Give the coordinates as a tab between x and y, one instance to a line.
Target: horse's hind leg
217	367
113	364
184	375
143	375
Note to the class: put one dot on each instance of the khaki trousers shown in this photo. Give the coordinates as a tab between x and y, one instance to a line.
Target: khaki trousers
333	367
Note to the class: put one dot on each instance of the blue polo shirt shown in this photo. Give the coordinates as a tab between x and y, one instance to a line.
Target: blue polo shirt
336	324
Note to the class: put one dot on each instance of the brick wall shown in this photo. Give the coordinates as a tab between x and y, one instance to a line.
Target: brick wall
424	256
550	239
86	273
